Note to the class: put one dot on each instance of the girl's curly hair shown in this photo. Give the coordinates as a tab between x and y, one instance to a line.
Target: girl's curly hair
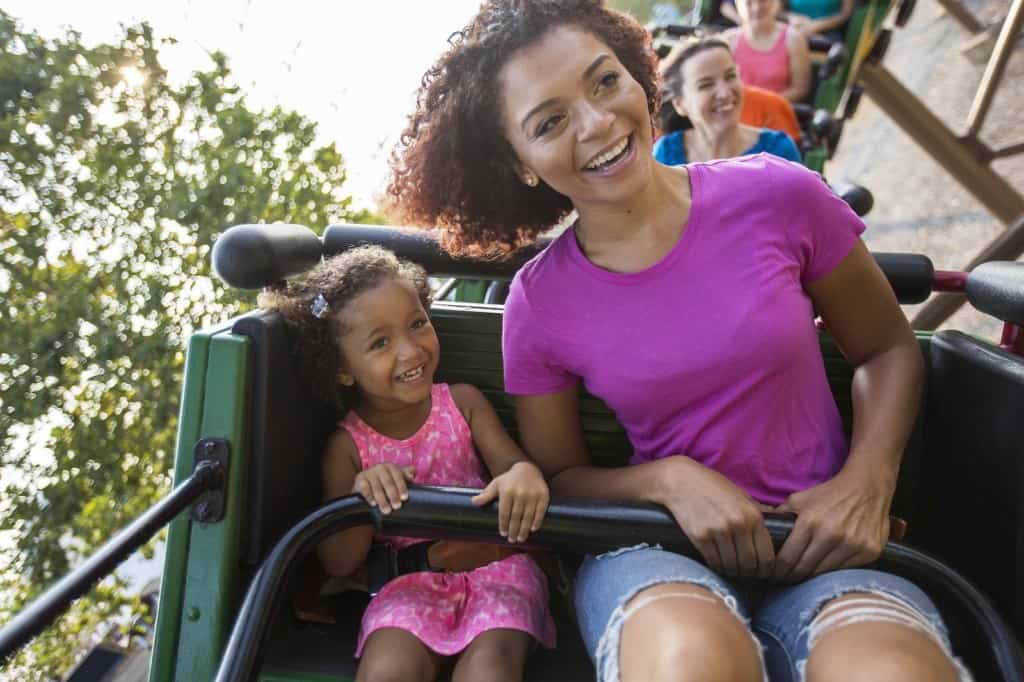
339	279
453	168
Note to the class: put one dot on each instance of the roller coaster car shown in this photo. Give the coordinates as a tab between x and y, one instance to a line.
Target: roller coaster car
250	438
227	601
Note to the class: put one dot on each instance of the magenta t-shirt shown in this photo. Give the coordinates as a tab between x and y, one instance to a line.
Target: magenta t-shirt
712	352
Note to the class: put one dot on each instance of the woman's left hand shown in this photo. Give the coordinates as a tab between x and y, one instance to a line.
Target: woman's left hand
522	498
841	523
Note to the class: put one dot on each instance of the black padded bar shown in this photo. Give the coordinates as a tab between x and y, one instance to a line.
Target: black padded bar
255	256
997	288
909	274
421	246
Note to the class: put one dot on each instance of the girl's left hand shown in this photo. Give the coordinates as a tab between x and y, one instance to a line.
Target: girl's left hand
522	498
841	523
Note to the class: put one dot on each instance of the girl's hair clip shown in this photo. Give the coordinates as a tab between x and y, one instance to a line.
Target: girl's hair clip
319	307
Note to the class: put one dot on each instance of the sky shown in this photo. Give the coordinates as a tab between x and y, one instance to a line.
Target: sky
350	65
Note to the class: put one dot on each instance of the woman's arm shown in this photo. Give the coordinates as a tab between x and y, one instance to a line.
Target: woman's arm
344	552
845	521
799	67
722	521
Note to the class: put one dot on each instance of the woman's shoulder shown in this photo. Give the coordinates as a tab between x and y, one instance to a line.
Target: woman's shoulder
545	269
779	143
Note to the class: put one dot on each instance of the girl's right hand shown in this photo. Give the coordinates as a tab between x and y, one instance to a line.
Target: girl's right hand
384	485
724	523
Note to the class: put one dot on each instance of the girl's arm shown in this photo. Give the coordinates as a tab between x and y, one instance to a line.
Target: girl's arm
845	521
722	521
343	552
826	24
516	483
799	67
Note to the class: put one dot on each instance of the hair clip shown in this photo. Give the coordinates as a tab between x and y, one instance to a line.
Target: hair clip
319	307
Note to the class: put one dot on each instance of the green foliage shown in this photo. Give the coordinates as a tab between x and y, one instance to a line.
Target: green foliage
641	9
112	190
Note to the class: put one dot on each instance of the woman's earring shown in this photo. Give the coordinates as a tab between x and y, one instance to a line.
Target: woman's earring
530	179
346	379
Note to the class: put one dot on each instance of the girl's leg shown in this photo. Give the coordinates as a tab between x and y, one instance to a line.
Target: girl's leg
395	655
857	624
496	655
647	614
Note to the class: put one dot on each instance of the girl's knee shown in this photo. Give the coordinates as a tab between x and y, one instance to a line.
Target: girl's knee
393	669
494	655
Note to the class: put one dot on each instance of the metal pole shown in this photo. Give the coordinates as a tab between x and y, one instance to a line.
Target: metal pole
994	70
956	156
958	12
40	613
1007	246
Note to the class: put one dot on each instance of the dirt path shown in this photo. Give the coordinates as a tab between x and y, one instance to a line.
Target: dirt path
919	207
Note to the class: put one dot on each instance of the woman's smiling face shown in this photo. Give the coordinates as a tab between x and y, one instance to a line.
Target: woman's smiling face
576	118
712	95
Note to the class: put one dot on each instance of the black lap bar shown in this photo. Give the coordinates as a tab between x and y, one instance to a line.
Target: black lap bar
997	288
255	256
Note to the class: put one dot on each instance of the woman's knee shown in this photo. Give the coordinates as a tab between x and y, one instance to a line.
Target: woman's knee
672	630
869	636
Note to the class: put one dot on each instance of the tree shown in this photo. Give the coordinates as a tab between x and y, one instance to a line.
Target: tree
114	182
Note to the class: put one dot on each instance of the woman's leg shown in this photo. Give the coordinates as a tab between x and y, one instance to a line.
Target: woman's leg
497	655
680	632
647	614
854	625
395	655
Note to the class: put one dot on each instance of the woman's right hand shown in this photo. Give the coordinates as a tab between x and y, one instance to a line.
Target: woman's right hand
724	523
384	485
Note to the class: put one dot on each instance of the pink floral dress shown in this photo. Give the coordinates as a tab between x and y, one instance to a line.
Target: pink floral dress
446	611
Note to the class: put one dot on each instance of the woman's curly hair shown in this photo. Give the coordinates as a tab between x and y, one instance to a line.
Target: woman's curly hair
453	168
339	279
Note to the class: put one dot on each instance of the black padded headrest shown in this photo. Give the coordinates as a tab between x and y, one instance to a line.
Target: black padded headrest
997	288
909	274
255	256
421	246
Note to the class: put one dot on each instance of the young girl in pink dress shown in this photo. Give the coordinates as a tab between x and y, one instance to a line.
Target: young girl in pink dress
364	342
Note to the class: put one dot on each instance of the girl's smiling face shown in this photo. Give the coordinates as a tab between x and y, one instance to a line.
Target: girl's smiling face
576	118
389	348
712	94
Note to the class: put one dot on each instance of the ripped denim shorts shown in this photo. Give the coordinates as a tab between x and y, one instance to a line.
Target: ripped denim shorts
779	616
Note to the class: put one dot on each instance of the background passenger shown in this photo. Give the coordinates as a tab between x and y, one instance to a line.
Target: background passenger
708	91
769	53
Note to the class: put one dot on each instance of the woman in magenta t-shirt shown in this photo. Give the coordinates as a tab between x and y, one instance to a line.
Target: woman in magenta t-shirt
684	297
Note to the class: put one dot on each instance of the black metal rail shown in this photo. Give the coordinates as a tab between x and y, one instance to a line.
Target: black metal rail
577	525
19	631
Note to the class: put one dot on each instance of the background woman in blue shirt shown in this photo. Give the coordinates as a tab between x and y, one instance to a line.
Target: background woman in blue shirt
707	90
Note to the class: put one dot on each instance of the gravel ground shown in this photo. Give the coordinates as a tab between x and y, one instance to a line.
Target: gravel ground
919	207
